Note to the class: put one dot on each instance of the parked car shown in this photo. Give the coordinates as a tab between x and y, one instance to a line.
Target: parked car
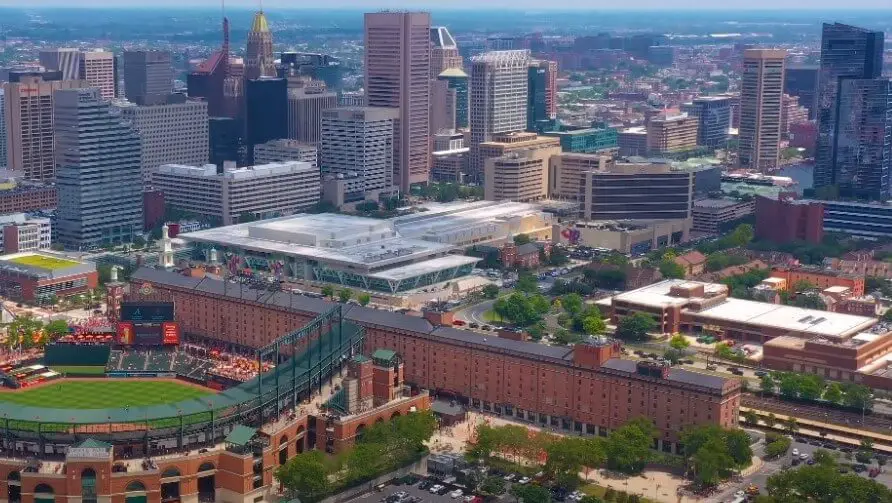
435	488
509	477
524	480
456	494
795	453
760	373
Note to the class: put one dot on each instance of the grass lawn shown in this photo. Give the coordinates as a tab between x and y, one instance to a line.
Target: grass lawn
491	317
80	370
74	394
43	262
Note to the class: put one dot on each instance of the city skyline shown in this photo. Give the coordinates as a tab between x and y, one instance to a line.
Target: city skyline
568	5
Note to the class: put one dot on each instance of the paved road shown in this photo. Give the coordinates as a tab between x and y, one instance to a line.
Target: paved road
474	314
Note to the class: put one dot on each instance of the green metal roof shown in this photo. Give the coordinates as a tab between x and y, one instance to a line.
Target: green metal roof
240	435
385	355
360	359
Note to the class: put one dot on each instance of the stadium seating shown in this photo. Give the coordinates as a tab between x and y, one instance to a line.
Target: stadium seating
133	361
160	361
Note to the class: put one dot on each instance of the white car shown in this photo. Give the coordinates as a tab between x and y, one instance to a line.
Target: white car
469	498
740	494
524	480
434	488
795	453
803	456
456	494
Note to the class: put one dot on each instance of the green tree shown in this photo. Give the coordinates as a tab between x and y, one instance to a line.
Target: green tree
345	294
767	384
751	418
522	239
770	420
810	387
710	462
887	316
858	396
824	458
833	393
594	325
327	291
490	291
57	328
564	459
492	486
778	447
634	328
822	483
628	447
572	303
679	342
364	299
527	283
791	426
530	493
742	235
671	269
305	476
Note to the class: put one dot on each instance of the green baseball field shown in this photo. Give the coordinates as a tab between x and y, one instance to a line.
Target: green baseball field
103	393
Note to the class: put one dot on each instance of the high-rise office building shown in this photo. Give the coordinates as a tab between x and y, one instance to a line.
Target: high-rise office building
498	102
28	112
863	164
148	75
97	68
397	75
2	131
224	139
211	78
305	107
668	134
714	116
457	91
359	140
266	111
801	80
541	93
847	53
99	179
286	150
444	51
64	59
443	105
792	113
322	67
762	89
259	61
174	131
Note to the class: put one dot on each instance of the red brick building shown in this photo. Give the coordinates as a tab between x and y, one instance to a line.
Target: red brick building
786	220
27	198
32	276
821	278
588	388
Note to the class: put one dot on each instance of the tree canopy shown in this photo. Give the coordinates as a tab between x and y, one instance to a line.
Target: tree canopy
714	452
635	327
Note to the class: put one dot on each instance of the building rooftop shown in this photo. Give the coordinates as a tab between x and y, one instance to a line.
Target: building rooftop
793	319
635	130
44	265
716	203
333	238
244	173
452	73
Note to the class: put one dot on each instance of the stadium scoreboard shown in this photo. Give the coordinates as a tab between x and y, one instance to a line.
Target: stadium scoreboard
148	324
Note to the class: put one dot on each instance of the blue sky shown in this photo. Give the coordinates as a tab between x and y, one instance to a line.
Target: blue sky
475	4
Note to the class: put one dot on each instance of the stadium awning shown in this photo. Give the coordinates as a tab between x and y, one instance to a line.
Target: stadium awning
240	435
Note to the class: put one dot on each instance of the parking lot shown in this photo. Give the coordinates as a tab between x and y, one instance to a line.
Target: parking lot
414	493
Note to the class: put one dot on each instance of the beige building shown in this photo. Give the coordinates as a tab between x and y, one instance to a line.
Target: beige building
505	143
520	175
305	107
710	214
28	115
634	237
284	150
567	173
672	133
98	69
762	88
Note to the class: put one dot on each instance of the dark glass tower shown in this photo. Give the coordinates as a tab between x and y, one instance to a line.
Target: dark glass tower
537	109
847	53
864	138
266	112
457	80
802	81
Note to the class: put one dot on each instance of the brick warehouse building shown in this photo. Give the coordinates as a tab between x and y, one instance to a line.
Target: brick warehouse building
586	389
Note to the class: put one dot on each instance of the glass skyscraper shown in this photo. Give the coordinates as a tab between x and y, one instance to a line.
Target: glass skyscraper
864	138
849	53
98	172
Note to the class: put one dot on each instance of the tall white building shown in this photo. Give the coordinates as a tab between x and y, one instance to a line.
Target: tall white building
261	191
2	132
359	140
305	107
498	102
284	150
174	131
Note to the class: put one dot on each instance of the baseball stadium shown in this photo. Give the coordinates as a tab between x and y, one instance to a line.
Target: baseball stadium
141	416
